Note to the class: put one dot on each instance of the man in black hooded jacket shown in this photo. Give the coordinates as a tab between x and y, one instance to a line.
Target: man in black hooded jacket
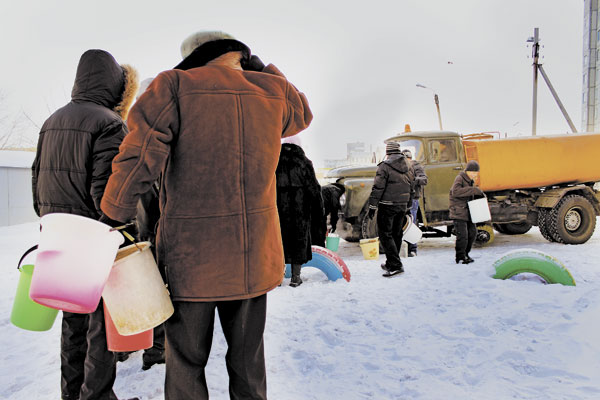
392	197
331	201
73	162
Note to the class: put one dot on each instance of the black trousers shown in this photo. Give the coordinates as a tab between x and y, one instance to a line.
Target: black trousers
88	369
465	236
189	334
390	220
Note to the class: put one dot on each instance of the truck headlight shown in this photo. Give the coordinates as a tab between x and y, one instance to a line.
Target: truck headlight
343	200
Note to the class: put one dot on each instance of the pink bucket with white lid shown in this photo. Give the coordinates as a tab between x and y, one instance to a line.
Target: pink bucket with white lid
74	259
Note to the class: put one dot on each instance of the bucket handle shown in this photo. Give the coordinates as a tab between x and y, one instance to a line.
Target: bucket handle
126	234
25	255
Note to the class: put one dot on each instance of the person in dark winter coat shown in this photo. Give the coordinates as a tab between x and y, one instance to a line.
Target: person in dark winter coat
464	190
391	196
300	207
420	181
331	201
75	149
211	129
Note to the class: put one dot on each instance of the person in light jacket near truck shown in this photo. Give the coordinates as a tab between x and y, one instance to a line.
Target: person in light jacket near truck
464	190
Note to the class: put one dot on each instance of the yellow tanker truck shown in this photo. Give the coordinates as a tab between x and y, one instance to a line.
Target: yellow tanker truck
548	181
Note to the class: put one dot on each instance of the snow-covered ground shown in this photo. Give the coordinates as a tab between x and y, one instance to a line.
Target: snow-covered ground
440	331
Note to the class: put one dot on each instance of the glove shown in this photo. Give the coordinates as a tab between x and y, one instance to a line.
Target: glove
372	212
129	231
105	219
254	64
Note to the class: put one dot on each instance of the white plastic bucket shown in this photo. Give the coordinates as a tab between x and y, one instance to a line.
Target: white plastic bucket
411	232
135	294
480	211
74	259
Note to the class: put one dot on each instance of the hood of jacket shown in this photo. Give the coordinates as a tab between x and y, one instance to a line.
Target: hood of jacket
99	79
340	188
466	178
399	162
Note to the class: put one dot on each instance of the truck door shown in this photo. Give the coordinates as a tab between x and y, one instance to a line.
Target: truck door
443	164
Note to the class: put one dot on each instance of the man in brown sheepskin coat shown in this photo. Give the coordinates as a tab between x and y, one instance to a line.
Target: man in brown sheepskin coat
211	128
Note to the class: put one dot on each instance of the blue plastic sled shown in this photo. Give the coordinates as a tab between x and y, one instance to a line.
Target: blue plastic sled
327	261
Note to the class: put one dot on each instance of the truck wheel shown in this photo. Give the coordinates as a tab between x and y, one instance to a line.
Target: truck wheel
499	228
516	228
369	227
572	220
485	235
543	224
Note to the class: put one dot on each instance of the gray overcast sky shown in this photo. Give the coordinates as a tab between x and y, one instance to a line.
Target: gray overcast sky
357	62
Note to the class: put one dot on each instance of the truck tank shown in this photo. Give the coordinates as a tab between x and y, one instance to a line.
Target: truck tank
536	161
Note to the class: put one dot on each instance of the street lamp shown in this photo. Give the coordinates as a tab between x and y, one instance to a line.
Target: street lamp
437	103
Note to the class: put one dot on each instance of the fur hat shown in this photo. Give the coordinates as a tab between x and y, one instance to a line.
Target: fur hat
407	153
197	39
472	166
392	148
202	47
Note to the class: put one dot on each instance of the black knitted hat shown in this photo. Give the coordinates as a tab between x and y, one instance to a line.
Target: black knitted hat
472	166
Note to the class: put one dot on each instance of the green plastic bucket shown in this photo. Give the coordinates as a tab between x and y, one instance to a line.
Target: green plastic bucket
332	242
26	313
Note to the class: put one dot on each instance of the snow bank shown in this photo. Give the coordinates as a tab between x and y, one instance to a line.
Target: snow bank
440	331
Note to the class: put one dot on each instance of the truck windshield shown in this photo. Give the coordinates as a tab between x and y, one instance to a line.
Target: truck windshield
415	147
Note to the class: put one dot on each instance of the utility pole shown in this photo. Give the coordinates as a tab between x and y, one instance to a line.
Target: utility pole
437	105
537	66
535	53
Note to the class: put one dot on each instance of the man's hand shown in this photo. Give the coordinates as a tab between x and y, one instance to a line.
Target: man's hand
372	212
105	219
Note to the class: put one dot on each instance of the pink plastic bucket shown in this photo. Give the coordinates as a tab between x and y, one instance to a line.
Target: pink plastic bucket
74	259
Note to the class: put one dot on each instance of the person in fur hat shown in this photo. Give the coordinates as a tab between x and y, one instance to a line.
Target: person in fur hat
75	149
211	128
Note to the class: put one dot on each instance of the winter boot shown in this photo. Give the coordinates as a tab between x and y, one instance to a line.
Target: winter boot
464	260
296	281
393	272
151	357
123	355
